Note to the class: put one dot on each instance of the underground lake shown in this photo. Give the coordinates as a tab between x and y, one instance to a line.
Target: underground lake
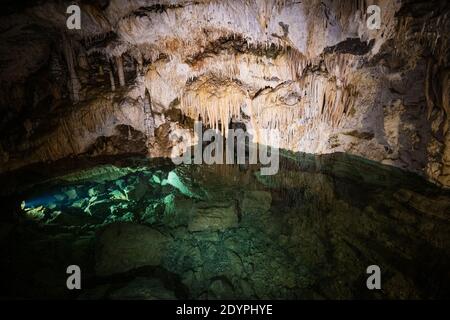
145	229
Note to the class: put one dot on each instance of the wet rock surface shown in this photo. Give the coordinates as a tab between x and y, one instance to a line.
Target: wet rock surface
123	246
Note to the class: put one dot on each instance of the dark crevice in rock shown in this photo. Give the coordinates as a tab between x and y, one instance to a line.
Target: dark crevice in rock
351	45
235	44
171	281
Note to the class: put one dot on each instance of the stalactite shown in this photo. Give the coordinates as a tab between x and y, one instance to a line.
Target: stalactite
111	80
297	63
256	137
119	64
427	89
287	65
149	121
74	83
446	98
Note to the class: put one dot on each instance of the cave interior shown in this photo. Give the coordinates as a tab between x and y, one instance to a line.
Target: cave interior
350	98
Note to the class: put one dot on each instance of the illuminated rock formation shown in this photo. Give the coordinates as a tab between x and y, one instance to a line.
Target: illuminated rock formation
313	70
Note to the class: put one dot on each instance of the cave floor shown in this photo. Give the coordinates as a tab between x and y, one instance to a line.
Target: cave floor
142	231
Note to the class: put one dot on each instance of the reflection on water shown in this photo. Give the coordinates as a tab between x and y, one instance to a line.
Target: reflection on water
222	231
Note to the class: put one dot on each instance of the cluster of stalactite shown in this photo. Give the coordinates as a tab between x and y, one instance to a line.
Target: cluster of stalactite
217	85
63	139
320	92
298	107
214	101
284	65
215	96
74	132
426	35
102	56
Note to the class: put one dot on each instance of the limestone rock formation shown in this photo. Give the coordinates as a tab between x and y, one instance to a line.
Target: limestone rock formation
256	202
213	217
124	246
314	70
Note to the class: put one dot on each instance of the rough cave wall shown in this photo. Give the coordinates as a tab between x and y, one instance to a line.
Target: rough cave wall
311	69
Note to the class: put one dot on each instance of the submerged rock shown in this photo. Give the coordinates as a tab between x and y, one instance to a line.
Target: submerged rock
73	218
96	191
37	213
71	193
143	289
256	202
177	210
138	190
213	218
323	230
221	289
80	203
125	246
100	208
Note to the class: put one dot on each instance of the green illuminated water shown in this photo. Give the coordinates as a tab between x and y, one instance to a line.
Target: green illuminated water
208	232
